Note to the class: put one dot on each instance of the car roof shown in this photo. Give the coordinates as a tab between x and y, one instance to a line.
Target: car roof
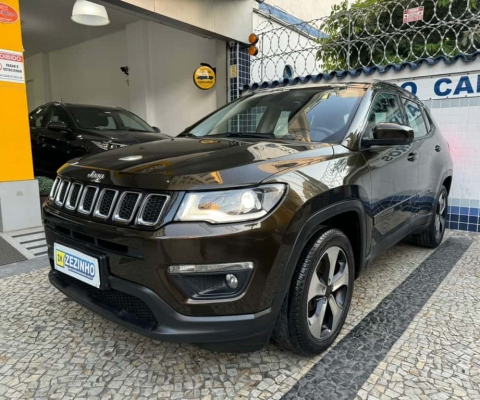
358	85
71	105
319	86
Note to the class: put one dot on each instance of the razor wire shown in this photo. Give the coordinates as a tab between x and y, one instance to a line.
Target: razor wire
362	37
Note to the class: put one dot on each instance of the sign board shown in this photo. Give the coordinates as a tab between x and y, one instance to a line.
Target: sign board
11	66
204	77
443	87
8	15
412	15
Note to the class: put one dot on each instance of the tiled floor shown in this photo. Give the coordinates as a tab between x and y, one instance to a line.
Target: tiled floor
395	344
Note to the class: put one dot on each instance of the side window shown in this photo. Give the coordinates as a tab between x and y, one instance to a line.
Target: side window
37	116
58	114
385	108
415	118
281	127
130	122
428	121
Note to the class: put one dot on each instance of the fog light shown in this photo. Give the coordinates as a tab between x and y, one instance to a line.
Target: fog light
232	281
208	282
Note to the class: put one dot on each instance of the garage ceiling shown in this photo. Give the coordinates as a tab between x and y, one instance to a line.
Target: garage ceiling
46	25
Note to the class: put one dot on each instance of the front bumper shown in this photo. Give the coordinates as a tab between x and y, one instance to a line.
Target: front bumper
235	333
135	264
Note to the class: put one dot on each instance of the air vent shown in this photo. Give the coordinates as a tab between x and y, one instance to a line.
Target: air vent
105	202
88	199
127	206
73	196
62	193
152	209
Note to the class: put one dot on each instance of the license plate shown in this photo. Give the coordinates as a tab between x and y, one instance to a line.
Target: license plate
77	264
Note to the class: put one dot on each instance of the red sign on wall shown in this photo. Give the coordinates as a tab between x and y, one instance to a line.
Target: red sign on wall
8	15
11	66
412	15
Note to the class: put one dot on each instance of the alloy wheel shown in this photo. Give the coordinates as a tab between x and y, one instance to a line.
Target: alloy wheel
327	293
441	215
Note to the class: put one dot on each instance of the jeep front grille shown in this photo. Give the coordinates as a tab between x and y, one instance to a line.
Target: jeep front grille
105	202
151	209
62	193
73	195
87	200
108	204
127	206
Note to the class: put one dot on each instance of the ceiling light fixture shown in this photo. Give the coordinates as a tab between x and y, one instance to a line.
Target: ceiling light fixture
88	13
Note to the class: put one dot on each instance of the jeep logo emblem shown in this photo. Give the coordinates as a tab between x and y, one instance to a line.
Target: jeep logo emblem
96	176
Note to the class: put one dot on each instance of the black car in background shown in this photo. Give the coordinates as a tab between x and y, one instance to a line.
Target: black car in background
61	132
253	223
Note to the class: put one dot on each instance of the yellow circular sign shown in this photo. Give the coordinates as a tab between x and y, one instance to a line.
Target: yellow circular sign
204	77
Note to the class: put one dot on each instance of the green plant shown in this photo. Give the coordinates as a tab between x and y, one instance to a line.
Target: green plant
45	185
372	32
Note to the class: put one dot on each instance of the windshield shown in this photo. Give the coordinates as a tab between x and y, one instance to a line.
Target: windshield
109	120
309	115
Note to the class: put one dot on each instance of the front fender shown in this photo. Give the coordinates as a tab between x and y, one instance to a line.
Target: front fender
306	224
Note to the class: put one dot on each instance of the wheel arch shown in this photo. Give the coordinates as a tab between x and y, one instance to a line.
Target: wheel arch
333	216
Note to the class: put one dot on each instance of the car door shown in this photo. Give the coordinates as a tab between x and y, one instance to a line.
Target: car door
393	171
427	149
57	146
37	121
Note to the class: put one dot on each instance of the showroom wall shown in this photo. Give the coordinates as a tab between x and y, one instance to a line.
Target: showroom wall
90	73
159	87
39	90
161	62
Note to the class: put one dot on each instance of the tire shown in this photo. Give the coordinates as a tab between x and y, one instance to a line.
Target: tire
315	309
432	236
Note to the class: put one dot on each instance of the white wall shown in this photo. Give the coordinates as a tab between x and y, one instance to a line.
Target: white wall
89	72
306	10
162	61
227	18
37	74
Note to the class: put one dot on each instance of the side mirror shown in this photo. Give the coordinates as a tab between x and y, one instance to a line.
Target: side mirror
389	134
60	126
156	129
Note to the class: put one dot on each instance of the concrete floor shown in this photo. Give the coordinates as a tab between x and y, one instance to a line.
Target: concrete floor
413	333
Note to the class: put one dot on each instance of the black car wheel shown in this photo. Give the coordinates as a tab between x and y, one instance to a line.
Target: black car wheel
432	236
319	297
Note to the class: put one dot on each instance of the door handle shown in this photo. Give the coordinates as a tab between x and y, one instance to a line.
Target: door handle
438	148
412	156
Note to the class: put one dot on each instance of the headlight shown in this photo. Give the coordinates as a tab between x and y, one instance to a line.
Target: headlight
219	207
108	145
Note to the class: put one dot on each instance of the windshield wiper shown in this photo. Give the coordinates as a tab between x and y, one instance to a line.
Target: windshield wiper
134	130
247	135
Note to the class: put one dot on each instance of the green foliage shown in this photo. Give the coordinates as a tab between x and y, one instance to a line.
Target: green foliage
45	185
372	32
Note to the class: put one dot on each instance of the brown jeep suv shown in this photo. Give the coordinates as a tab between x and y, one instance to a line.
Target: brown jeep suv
253	223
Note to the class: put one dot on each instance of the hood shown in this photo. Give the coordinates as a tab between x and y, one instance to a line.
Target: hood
196	164
124	137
